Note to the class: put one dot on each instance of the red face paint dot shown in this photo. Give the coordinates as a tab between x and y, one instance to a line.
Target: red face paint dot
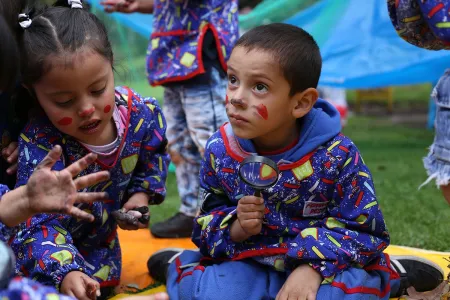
262	111
65	121
107	109
226	100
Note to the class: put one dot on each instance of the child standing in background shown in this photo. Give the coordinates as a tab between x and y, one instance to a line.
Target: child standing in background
190	44
430	30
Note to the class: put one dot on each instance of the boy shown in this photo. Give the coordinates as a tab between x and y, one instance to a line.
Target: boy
319	231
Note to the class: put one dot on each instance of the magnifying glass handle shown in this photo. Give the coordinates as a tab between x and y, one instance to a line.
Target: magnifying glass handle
257	193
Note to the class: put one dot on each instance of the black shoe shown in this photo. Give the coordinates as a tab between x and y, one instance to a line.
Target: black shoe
177	226
417	272
159	262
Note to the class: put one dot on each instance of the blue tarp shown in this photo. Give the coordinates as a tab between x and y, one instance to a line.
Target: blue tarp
359	45
361	49
140	23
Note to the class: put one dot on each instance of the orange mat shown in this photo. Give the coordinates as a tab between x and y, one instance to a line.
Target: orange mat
137	246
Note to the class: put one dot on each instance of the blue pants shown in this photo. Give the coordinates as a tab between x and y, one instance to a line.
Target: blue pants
249	280
193	113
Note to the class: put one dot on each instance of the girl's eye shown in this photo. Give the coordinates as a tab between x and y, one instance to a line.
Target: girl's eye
232	80
260	88
99	92
64	103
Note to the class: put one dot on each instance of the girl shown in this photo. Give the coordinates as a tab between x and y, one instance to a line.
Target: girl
67	68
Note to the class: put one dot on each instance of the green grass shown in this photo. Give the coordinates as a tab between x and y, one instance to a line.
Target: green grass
417	218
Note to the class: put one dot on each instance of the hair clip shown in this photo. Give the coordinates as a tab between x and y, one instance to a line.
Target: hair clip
24	21
75	4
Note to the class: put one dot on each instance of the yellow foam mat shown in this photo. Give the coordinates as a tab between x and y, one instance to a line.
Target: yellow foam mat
138	246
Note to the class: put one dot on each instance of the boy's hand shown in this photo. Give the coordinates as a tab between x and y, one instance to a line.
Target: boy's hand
81	286
302	284
10	154
250	213
135	201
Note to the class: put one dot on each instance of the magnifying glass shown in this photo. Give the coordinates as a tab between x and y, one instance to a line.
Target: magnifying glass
259	172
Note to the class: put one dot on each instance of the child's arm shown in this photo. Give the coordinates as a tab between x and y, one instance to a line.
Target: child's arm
212	228
149	177
43	248
355	231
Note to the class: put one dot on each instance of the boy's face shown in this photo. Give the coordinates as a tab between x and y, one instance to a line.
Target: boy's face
79	98
258	103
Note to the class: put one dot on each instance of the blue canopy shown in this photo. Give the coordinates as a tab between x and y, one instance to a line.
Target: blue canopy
140	23
361	49
359	45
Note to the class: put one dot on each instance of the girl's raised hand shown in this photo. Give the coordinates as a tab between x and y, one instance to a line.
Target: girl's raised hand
50	191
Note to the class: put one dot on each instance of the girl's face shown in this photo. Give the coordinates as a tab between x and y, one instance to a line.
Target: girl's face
77	95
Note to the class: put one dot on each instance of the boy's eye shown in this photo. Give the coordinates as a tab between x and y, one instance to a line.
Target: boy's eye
232	80
260	88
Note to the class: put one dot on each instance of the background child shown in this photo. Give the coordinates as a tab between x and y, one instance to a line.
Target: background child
67	68
428	33
190	44
319	231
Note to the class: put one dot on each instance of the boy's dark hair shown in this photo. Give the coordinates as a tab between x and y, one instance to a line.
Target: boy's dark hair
295	50
58	31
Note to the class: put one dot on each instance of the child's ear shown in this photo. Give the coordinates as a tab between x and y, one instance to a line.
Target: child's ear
304	102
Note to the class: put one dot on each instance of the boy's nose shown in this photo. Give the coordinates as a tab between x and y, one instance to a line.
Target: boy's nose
87	112
238	102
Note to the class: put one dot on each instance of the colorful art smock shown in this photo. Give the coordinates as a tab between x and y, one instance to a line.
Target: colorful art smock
179	27
47	247
424	24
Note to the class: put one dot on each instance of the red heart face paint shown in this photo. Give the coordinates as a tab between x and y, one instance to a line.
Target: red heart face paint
226	100
107	109
65	121
262	111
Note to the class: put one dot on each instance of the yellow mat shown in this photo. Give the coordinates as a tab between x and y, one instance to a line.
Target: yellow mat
137	246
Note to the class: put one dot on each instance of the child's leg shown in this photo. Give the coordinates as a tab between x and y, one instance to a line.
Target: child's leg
205	113
437	163
235	280
193	113
204	106
182	151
